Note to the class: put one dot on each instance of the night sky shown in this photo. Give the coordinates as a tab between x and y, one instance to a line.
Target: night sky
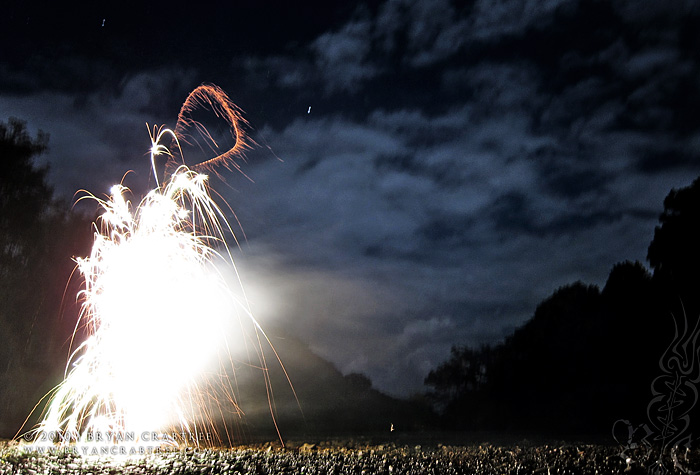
427	171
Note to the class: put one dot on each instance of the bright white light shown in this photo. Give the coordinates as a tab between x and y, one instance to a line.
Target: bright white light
156	310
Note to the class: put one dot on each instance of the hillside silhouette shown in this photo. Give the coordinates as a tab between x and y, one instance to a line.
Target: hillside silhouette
318	401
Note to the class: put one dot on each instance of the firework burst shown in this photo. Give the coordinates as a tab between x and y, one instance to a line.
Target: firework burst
155	307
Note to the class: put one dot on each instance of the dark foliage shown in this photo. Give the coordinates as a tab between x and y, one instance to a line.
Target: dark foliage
24	195
674	253
587	357
38	237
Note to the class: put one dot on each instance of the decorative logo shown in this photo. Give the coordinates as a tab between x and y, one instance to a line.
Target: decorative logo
662	445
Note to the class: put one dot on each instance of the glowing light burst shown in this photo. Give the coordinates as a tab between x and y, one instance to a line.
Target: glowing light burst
155	308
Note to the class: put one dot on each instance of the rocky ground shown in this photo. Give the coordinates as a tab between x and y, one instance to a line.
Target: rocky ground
355	458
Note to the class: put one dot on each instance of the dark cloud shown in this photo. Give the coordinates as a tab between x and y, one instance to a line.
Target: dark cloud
283	72
425	32
448	231
341	57
442	174
667	157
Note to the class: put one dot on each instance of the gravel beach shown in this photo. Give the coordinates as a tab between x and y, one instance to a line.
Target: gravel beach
351	458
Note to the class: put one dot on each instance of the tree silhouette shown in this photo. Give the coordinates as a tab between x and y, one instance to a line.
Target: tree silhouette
587	357
547	364
674	253
24	201
38	237
459	383
24	194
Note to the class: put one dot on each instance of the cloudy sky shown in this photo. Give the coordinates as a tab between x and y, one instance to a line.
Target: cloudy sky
427	170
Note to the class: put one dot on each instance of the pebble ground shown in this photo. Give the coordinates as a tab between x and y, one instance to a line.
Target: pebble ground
352	458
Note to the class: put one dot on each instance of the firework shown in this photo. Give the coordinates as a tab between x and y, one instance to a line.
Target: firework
155	307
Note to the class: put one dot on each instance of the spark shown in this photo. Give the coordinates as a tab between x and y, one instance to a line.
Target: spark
212	98
156	309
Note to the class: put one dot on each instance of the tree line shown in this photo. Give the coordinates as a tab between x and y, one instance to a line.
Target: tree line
38	236
588	356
